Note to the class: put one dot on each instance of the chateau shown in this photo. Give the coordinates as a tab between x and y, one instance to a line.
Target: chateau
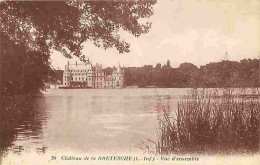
85	75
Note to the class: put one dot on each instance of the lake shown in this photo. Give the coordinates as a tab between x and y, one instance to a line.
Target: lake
92	120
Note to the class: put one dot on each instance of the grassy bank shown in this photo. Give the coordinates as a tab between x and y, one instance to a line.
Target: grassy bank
211	123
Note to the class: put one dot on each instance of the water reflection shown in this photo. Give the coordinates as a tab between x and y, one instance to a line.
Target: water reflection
22	119
85	120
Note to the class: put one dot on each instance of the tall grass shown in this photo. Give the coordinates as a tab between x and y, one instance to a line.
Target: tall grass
211	123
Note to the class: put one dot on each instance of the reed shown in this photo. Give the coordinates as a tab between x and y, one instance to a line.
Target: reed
211	123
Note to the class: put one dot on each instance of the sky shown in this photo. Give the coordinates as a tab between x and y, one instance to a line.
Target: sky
195	31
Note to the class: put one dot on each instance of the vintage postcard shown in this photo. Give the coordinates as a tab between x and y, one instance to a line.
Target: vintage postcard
130	82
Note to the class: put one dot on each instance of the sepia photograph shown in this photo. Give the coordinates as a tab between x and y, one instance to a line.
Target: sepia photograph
129	82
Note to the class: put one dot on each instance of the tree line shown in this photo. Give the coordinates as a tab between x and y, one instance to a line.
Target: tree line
244	73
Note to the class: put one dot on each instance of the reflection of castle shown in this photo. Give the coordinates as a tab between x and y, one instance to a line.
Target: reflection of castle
87	76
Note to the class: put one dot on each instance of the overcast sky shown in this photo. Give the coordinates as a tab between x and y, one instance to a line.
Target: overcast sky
196	31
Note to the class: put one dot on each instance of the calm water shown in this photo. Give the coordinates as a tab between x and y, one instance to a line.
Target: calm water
108	120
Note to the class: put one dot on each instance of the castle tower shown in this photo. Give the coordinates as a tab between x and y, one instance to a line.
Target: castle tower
99	80
118	76
66	76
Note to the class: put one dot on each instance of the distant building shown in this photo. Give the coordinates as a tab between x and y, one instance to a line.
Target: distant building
85	75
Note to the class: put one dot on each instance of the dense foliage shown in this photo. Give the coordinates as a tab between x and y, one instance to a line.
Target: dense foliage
30	29
64	26
22	71
219	74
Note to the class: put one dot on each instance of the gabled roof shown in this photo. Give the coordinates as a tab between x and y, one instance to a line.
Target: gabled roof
118	69
98	67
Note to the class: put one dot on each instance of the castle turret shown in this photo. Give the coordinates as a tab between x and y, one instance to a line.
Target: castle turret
66	76
118	76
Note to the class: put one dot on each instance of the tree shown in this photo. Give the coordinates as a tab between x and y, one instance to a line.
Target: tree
1	86
158	66
64	26
128	77
39	26
23	71
168	64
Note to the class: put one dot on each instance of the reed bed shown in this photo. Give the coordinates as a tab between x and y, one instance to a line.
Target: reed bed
211	123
